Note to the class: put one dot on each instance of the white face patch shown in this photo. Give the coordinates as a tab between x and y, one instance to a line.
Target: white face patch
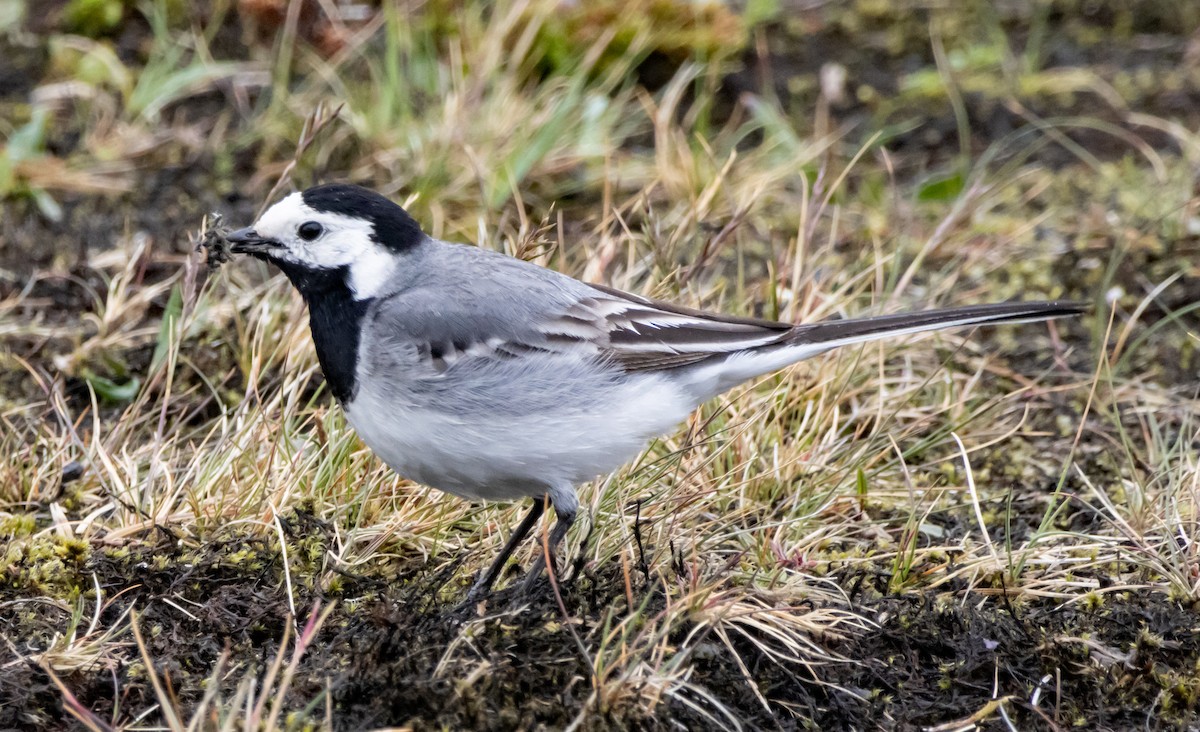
344	241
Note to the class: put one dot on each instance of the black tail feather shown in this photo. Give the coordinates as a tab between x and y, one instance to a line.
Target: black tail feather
837	332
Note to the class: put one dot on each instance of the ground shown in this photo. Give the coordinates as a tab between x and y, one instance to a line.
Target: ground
994	529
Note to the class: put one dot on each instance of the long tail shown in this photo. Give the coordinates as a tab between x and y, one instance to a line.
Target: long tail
834	333
808	340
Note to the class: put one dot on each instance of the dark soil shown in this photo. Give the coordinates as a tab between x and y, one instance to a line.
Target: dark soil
1120	663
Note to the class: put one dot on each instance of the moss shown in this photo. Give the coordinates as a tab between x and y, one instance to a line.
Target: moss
51	566
676	29
18	526
71	500
1091	602
93	17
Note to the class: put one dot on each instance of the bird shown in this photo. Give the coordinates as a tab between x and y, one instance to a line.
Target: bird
492	378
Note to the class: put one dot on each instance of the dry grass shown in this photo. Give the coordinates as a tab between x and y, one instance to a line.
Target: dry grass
1010	467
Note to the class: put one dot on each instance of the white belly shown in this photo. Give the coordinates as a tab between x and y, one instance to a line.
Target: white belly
493	456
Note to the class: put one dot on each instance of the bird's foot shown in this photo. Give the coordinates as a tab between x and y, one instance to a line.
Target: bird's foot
538	577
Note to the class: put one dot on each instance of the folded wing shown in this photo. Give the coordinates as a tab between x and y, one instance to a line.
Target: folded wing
638	334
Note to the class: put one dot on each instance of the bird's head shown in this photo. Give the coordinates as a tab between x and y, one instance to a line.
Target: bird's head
333	233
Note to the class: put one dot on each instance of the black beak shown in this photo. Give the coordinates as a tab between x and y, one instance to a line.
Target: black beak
247	241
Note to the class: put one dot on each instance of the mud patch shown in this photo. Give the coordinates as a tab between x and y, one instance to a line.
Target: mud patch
392	652
1127	662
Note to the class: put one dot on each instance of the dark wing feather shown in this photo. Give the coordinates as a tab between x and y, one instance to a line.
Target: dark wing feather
640	335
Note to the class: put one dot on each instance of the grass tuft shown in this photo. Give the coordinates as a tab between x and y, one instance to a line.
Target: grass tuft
935	532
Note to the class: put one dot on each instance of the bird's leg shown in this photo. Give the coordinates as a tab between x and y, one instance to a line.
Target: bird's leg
565	507
485	581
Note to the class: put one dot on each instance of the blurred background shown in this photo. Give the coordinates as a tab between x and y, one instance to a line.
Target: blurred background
733	125
143	115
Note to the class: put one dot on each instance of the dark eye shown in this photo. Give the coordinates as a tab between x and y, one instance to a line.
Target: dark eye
310	230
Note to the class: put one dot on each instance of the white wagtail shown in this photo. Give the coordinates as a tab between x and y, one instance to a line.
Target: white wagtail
493	378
